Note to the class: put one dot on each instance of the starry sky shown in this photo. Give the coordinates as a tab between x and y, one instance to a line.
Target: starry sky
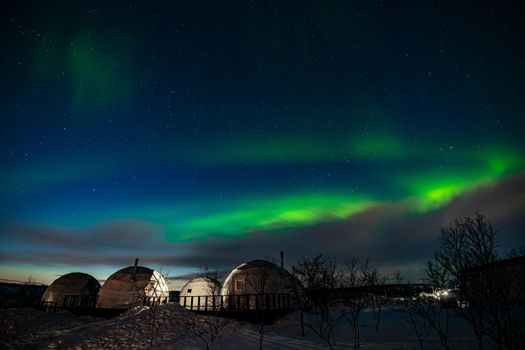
204	133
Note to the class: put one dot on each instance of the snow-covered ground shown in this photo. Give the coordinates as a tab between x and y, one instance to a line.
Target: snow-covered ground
170	327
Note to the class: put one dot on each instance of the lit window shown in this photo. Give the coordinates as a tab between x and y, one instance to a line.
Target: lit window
239	285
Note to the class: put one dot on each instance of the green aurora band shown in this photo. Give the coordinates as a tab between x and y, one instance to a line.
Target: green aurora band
430	189
270	214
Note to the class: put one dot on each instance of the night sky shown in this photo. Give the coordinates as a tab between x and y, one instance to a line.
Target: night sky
194	134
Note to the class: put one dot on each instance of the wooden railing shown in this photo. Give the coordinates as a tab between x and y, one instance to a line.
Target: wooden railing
237	302
18	301
72	301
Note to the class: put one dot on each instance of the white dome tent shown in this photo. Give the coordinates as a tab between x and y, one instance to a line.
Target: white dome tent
200	292
259	282
132	286
74	289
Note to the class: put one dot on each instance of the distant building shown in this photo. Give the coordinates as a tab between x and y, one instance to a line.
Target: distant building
20	294
133	286
22	289
74	289
501	281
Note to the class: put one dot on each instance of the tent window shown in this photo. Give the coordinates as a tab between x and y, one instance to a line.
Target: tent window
189	291
239	285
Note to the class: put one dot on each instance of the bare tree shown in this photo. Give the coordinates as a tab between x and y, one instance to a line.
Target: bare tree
424	314
149	295
421	316
464	244
261	281
318	277
379	297
357	275
208	328
153	298
213	286
413	310
491	291
300	296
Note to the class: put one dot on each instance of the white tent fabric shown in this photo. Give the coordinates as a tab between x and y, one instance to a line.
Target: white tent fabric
132	286
72	289
200	290
257	277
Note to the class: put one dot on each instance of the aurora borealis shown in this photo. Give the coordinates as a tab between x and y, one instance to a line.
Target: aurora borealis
204	134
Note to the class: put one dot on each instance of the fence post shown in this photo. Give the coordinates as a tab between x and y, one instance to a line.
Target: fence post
191	303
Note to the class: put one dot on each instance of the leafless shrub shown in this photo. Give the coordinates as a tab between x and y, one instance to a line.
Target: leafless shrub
466	260
356	275
421	315
261	282
209	328
315	277
379	298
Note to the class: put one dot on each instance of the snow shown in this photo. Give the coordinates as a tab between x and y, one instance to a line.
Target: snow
169	327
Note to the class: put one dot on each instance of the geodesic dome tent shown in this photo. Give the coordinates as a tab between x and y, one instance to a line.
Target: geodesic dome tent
133	286
201	286
74	289
200	292
260	278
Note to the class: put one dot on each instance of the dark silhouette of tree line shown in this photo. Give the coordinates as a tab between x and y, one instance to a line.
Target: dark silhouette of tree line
467	276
